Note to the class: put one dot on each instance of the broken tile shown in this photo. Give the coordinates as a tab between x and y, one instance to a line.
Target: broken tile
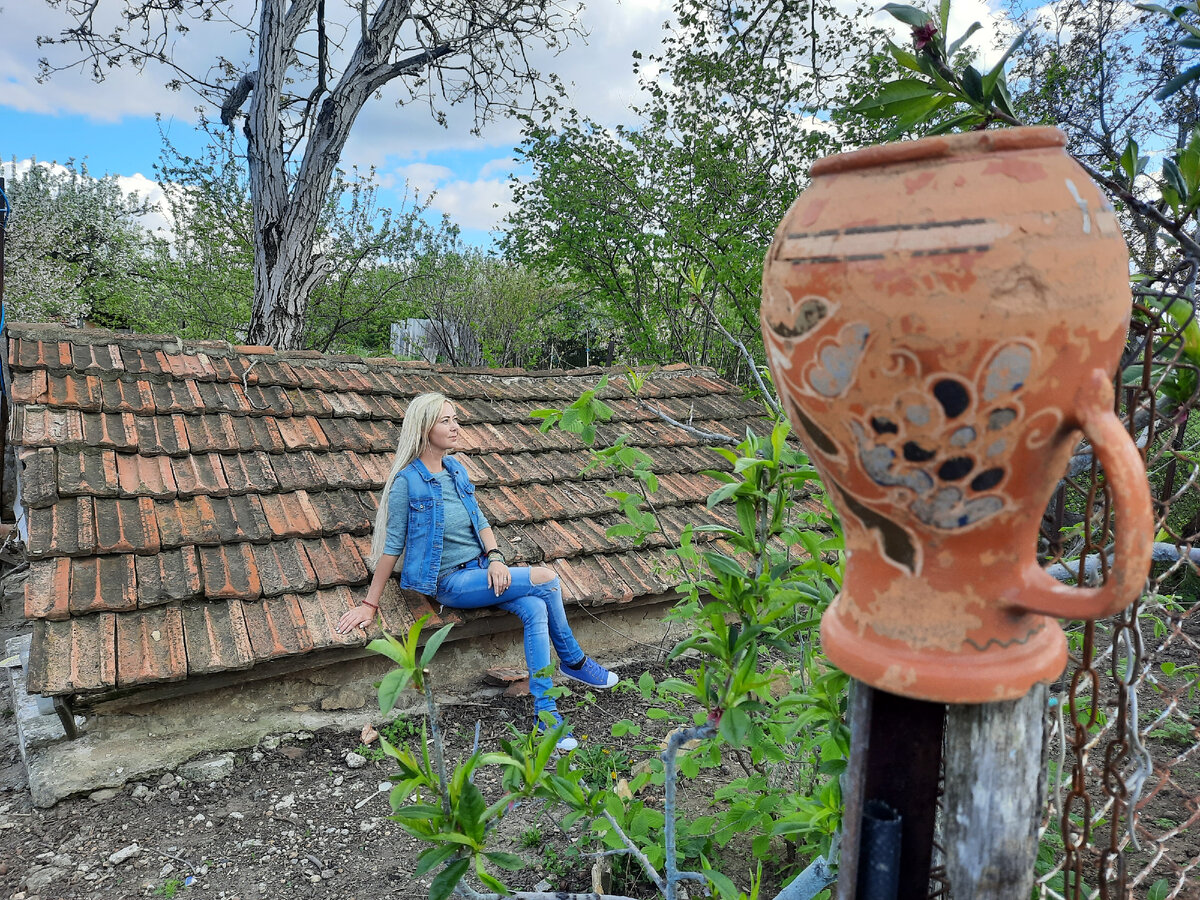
168	577
74	656
126	526
150	646
39	477
103	584
219	396
215	638
229	572
43	427
284	568
47	589
90	472
30	387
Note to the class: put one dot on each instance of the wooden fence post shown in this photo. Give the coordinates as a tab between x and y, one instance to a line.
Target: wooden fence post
993	796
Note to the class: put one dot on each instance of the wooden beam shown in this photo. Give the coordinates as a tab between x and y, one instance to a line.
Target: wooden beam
993	796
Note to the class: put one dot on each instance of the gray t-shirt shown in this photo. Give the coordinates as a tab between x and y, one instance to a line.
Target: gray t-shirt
459	544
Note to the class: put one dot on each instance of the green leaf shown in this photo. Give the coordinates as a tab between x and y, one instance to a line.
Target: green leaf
431	645
432	858
734	726
891	93
909	15
509	861
721	564
903	57
1159	890
955	123
973	84
1129	160
1174	178
493	882
469	811
389	689
448	879
1185	77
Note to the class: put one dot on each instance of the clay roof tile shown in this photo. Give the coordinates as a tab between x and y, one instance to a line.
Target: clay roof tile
150	646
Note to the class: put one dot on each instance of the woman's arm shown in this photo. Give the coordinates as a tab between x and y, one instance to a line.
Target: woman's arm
364	614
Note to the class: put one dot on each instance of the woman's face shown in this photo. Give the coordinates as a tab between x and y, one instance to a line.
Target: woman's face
443	436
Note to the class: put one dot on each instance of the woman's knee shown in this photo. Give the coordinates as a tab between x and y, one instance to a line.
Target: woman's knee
541	575
529	610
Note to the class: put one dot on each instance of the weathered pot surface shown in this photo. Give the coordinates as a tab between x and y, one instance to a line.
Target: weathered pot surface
942	318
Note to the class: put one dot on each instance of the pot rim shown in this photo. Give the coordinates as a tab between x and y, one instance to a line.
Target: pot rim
971	143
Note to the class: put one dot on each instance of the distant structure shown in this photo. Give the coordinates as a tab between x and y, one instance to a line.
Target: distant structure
434	340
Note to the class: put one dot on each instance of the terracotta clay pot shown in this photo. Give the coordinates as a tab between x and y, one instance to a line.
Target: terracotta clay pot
943	317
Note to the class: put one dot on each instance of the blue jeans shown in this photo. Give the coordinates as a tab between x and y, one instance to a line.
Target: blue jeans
538	606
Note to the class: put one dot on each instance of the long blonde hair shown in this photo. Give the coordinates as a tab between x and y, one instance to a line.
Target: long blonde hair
420	417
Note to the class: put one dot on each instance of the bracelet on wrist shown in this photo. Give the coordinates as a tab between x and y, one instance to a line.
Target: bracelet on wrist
496	556
370	604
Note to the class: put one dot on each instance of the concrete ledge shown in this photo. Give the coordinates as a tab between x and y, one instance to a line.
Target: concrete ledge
130	738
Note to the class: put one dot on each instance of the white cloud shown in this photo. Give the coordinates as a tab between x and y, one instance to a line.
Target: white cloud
477	204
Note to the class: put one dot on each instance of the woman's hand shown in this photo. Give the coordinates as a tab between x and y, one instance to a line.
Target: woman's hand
362	616
499	578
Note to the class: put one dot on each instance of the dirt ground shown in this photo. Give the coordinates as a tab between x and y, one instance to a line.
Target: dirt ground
291	819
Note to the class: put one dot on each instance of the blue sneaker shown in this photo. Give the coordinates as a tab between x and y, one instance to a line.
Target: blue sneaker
567	742
591	673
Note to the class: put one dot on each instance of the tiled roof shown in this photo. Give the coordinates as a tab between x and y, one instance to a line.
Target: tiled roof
194	507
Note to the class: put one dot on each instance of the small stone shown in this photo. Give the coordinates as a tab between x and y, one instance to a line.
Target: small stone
270	742
167	780
208	770
542	886
103	795
338	779
262	887
256	756
236	815
367	826
286	802
315	879
344	698
369	735
327	873
293	752
304	735
124	854
40	878
141	792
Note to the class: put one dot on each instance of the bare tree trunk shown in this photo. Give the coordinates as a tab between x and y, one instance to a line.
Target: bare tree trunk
287	265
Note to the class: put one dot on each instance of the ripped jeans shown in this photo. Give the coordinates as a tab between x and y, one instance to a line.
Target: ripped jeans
538	606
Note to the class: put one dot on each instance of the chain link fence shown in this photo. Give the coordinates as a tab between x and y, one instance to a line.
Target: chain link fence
1123	749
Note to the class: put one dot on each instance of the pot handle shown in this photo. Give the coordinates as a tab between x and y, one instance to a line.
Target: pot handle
1126	475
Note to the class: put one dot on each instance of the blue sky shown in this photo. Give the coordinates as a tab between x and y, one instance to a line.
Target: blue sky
112	124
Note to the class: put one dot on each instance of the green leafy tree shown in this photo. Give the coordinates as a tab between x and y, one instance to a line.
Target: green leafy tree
725	131
76	245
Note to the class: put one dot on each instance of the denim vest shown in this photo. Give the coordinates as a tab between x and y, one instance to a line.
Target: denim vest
426	521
